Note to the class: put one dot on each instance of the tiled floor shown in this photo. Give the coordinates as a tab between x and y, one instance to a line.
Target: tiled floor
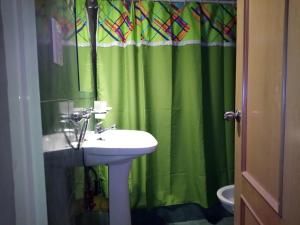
185	214
224	221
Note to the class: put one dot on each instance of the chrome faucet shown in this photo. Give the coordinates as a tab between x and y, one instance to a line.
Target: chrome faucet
80	128
79	121
99	129
83	114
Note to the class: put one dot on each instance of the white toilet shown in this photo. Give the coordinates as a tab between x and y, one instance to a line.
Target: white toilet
226	196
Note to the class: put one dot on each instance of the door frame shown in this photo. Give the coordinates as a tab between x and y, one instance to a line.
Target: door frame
21	116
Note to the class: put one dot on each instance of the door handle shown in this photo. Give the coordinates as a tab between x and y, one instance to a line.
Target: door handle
231	116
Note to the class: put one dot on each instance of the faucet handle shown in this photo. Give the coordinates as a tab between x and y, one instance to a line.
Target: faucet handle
99	123
76	116
98	127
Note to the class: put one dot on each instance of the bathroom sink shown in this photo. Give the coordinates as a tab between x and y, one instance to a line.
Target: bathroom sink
114	146
117	148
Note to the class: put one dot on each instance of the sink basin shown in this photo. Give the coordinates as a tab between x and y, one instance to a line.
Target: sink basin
117	148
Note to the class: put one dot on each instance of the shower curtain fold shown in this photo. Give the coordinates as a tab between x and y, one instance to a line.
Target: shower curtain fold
169	69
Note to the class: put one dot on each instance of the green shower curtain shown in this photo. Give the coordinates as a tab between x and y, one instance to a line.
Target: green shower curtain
169	69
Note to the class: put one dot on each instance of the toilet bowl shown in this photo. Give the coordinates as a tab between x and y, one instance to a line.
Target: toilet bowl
226	196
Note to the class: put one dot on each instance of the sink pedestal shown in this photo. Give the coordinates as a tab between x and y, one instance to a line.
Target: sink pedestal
117	148
119	204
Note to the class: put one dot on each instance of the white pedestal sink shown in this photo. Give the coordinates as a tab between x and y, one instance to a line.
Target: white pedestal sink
117	148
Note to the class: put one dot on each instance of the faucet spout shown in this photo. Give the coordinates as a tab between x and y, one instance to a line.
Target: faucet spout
99	129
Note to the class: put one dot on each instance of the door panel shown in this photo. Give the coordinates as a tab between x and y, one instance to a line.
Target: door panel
258	205
249	216
261	73
263	99
267	141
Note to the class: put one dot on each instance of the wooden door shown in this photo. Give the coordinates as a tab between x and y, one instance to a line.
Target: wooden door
267	176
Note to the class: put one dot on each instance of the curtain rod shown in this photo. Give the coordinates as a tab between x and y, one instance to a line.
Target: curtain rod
233	2
200	1
203	1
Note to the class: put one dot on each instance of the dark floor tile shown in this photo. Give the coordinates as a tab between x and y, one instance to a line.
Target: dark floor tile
165	215
178	213
215	213
147	217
